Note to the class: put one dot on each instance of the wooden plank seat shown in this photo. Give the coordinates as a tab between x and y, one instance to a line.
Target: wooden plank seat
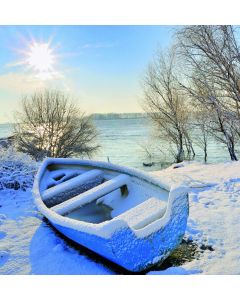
144	213
72	187
92	194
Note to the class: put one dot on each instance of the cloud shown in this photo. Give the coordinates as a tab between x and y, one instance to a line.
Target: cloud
23	83
19	82
15	64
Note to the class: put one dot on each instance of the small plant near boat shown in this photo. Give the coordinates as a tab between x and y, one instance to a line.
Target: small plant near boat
148	150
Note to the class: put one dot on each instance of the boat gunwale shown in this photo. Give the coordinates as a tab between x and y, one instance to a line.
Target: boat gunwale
113	167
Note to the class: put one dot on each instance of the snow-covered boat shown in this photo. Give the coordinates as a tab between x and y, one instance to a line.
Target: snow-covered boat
125	215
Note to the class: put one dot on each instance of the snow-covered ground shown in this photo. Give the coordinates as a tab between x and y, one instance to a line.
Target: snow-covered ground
28	245
214	218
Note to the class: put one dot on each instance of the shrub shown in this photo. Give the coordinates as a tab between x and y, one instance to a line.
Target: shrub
50	125
17	169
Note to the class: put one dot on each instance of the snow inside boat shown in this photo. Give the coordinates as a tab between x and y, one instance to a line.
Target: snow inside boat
125	215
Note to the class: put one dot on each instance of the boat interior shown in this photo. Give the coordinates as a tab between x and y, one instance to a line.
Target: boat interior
97	195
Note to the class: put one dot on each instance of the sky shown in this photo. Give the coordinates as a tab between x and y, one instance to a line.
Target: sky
99	67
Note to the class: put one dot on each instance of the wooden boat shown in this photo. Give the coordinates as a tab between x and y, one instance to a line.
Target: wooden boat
125	215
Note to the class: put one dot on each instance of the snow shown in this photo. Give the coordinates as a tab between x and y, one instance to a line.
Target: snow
144	213
91	195
174	271
62	190
214	217
16	169
28	245
105	229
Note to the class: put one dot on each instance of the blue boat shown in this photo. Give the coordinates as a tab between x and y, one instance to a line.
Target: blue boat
125	215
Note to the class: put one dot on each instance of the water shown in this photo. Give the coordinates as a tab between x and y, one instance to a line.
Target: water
122	140
5	130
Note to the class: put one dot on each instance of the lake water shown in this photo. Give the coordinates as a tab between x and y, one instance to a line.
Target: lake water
122	141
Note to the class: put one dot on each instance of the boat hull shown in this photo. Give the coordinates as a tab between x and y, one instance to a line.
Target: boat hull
127	250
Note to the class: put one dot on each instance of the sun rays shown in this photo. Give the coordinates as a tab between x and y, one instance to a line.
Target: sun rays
39	60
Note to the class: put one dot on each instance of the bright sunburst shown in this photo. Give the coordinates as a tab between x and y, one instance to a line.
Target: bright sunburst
40	59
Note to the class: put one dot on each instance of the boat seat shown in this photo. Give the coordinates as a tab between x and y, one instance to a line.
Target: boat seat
144	213
72	187
92	194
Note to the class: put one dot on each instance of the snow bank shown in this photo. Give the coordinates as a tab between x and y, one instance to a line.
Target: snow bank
214	217
198	175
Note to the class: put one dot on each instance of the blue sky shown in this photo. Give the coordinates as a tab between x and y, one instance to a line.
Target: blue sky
100	67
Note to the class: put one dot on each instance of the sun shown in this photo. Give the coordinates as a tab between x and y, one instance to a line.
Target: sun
40	59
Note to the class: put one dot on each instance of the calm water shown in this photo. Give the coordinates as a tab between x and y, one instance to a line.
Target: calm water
122	141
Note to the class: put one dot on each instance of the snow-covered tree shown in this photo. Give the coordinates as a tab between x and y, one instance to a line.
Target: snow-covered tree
166	105
212	73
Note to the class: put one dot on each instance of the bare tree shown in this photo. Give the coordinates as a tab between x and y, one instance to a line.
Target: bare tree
165	104
212	64
49	124
224	120
203	124
215	51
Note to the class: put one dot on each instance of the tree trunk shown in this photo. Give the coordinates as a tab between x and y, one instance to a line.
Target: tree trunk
192	149
180	154
231	151
205	153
